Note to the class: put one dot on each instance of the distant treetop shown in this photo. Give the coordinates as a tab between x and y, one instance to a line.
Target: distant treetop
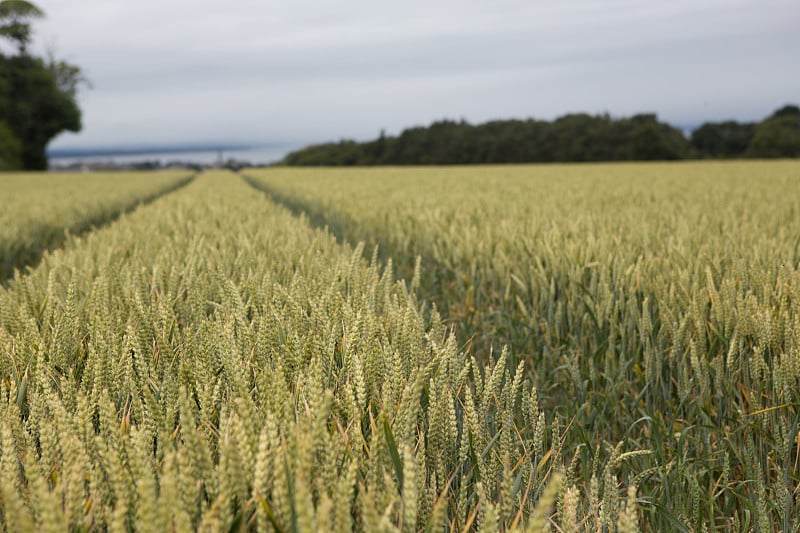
15	16
787	111
572	137
37	96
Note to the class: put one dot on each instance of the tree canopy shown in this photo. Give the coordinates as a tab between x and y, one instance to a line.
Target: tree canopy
778	135
10	149
15	16
37	96
572	137
723	139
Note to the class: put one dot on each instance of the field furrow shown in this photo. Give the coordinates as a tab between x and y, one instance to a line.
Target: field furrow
41	210
210	362
657	305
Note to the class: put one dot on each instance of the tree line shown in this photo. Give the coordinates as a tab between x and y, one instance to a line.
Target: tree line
574	137
37	95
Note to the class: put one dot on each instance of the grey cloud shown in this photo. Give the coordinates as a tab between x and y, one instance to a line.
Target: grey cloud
313	71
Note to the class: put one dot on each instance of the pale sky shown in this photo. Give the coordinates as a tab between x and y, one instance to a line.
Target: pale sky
177	71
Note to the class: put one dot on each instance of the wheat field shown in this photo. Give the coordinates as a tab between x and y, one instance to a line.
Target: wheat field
654	306
519	348
40	211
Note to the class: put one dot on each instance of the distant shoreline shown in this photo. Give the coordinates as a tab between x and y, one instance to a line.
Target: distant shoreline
167	157
156	149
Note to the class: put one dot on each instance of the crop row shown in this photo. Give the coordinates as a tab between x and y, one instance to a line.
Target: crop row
210	362
656	306
41	210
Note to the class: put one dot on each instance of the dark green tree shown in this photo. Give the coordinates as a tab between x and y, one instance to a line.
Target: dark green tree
778	135
15	22
651	140
37	96
10	149
573	137
722	139
35	108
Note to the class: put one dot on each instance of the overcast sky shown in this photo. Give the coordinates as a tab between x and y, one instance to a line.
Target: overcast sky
302	71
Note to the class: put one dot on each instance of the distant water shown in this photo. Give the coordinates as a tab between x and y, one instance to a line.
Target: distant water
254	156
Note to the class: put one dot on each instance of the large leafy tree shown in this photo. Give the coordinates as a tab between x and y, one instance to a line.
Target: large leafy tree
10	149
37	96
15	21
722	139
778	135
